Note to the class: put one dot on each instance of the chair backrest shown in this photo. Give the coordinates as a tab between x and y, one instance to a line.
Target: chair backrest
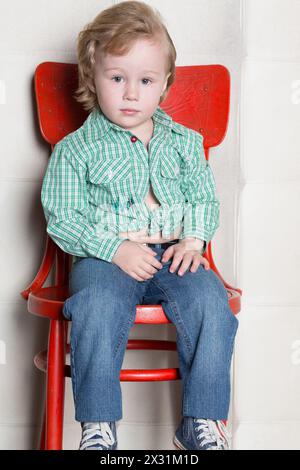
199	99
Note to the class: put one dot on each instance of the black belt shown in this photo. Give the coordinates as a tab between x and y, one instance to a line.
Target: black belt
162	245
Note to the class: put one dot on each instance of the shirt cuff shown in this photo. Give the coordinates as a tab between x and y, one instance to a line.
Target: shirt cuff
196	224
204	244
109	248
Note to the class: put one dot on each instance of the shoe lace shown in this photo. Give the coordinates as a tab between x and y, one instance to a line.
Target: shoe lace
95	435
213	433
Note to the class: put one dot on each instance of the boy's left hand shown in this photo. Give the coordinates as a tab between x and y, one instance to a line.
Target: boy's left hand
182	252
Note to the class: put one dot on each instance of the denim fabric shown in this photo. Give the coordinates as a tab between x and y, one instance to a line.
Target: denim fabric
102	307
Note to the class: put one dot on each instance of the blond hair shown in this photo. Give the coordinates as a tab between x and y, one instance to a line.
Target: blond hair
114	31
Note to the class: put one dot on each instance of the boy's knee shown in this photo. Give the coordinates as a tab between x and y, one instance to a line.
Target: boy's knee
82	304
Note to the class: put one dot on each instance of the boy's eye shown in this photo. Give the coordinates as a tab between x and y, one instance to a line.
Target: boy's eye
118	76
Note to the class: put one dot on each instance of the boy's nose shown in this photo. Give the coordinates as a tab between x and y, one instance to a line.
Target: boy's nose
131	93
130	97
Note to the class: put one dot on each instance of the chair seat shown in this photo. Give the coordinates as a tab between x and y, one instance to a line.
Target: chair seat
48	302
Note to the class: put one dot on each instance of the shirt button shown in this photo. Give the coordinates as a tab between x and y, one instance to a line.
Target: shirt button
130	203
133	138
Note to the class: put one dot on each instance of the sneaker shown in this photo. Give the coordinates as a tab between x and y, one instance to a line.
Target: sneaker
201	434
98	436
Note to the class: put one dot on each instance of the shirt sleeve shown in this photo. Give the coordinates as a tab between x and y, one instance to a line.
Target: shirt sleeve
65	203
202	206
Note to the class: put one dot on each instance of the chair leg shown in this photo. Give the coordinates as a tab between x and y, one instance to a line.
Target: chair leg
42	437
55	385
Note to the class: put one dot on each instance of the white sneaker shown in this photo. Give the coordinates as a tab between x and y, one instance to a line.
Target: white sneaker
98	436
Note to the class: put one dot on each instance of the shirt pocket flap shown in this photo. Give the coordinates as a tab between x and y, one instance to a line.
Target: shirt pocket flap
109	171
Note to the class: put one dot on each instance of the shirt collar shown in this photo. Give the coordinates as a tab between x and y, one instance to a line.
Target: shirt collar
101	124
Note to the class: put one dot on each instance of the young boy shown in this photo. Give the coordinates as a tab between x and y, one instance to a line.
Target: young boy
132	197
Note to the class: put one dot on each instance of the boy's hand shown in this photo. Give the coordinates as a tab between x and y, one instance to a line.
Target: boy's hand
182	252
137	260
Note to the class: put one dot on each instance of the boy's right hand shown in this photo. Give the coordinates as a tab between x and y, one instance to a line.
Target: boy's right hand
137	260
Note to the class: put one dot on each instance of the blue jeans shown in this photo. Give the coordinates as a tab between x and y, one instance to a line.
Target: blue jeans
102	307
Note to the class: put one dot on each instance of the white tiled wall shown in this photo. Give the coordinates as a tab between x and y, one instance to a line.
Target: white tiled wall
257	174
267	378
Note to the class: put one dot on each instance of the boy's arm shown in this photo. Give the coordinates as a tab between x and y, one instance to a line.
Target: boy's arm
64	199
201	210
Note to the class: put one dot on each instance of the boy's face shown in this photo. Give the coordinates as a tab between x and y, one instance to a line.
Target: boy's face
134	81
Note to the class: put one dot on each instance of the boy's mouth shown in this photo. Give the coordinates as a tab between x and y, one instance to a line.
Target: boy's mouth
129	111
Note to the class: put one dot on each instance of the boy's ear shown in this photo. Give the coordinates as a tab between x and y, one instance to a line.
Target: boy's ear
166	83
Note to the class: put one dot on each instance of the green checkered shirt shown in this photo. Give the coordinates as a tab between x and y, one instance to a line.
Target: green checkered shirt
98	177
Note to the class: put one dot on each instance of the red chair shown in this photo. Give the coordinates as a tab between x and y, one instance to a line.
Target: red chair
199	99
